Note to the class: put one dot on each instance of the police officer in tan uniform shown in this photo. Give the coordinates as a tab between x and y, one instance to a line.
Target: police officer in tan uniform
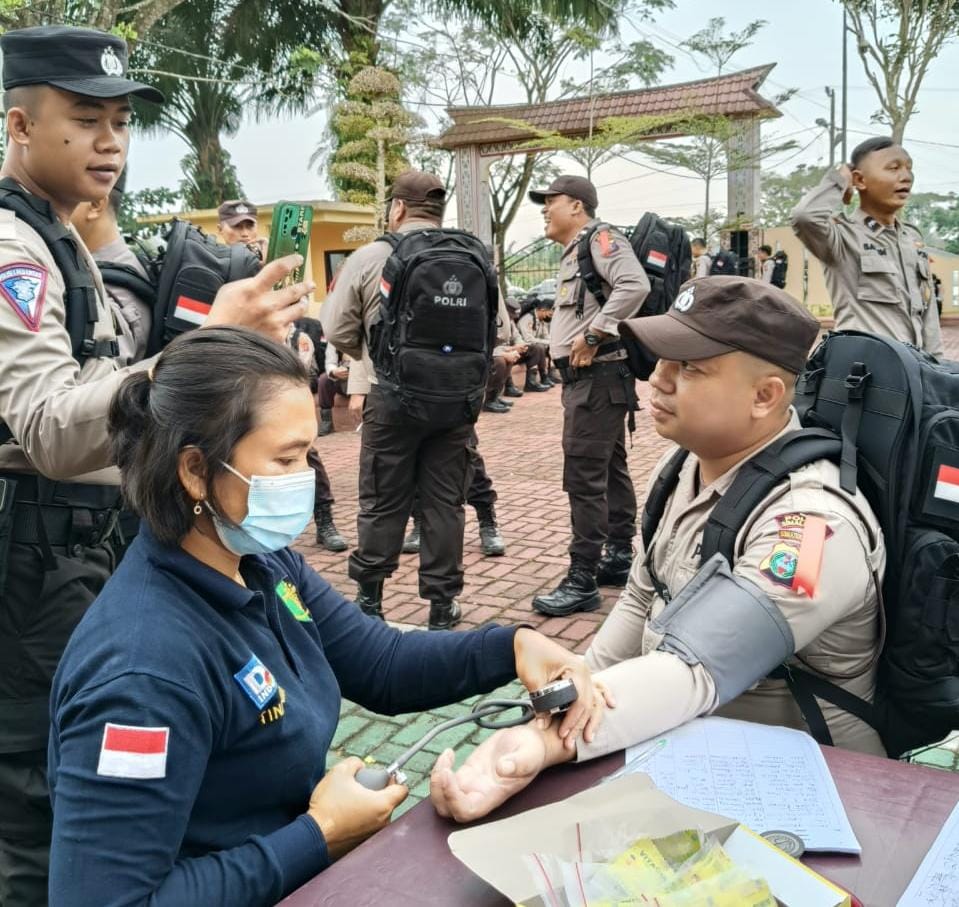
730	350
701	262
67	117
598	393
399	457
877	271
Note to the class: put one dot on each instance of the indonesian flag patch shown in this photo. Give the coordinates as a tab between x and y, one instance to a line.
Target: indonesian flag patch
947	484
133	752
24	286
385	288
192	310
656	259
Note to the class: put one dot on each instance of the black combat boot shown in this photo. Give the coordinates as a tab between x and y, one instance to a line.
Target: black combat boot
614	565
327	535
545	380
511	389
369	596
326	422
444	614
411	544
495	406
491	541
533	385
576	592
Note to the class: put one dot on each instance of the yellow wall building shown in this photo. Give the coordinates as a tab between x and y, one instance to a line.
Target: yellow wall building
327	246
805	279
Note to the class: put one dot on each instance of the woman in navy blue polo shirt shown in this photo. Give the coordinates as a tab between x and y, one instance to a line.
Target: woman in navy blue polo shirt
196	701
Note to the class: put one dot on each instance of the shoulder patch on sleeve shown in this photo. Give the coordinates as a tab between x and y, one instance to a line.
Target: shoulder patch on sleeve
796	560
24	286
133	752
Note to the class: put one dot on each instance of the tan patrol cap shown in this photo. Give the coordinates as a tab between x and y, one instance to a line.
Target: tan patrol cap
417	186
716	315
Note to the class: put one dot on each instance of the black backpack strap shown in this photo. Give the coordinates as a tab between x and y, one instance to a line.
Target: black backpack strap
128	278
587	270
80	299
757	477
653	511
392	238
856	382
806	688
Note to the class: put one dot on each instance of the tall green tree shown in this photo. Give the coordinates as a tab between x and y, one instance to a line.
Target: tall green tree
897	40
545	57
218	61
133	17
782	192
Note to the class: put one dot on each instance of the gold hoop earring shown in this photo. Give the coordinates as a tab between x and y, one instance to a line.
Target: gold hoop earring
197	509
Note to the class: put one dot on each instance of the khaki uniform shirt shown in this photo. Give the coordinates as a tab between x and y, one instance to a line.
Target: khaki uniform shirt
623	280
506	333
878	277
701	266
766	269
132	316
532	330
837	632
353	304
56	409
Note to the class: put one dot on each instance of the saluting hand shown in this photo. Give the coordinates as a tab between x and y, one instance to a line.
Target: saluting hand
253	303
845	171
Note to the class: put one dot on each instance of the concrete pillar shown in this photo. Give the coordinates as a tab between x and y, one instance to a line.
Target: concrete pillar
472	192
742	181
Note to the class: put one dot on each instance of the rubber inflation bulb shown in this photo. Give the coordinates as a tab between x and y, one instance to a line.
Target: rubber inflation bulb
373	778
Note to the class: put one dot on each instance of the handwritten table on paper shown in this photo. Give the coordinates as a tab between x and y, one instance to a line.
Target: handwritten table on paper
768	778
936	882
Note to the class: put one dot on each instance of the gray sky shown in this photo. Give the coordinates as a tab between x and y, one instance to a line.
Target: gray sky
802	38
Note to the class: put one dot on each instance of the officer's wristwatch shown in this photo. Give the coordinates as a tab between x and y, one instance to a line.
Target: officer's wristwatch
592	339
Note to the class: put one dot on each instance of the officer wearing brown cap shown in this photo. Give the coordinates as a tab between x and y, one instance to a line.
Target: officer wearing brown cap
598	392
686	639
399	457
66	98
238	224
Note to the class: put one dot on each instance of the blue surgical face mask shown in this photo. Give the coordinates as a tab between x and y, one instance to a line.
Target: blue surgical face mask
277	511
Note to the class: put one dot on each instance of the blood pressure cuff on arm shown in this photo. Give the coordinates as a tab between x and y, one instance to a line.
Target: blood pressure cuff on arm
727	624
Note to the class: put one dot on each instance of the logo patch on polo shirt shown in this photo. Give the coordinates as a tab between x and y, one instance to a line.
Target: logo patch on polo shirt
24	286
291	598
257	681
133	752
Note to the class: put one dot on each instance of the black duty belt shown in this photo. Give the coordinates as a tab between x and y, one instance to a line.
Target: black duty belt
571	375
60	514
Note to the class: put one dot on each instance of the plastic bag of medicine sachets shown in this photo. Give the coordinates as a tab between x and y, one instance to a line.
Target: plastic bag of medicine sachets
686	869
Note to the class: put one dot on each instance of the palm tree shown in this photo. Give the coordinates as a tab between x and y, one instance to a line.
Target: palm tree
218	61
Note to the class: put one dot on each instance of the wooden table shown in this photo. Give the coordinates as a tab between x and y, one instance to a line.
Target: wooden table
895	809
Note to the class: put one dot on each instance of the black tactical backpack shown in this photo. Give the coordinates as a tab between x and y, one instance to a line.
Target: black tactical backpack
780	266
434	339
724	262
664	252
183	280
888	414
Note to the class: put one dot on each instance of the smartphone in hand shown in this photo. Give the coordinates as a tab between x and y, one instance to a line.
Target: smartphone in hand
289	234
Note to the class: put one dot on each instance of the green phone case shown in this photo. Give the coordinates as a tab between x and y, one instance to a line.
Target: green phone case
290	233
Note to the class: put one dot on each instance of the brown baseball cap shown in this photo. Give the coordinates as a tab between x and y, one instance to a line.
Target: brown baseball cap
716	315
574	186
417	186
236	212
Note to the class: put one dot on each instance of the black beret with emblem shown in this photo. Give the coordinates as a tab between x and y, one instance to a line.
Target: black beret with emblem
82	60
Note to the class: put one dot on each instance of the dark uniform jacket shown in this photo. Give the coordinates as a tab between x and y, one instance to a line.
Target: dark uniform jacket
192	718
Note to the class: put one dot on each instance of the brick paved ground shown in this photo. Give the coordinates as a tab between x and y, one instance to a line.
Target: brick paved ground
523	456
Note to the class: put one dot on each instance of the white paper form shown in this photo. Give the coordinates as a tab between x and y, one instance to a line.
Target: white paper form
768	778
936	882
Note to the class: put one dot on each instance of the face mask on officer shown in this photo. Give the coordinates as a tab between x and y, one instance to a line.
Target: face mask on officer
278	509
